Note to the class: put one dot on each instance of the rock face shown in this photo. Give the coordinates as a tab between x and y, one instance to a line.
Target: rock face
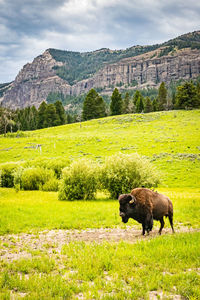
148	70
37	79
34	82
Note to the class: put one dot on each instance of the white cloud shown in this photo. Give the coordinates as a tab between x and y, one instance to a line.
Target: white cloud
28	28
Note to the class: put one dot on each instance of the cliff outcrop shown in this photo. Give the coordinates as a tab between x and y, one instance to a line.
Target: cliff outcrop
37	79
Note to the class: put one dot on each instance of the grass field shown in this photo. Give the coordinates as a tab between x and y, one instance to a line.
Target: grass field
108	271
28	211
159	267
171	140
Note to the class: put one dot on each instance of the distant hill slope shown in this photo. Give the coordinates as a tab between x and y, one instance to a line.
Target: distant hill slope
164	137
75	73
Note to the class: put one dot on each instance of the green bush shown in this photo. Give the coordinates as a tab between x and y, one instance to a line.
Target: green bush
51	185
17	178
79	181
7	174
35	178
55	164
122	172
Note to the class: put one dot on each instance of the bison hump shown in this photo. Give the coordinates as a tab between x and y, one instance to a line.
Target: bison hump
143	197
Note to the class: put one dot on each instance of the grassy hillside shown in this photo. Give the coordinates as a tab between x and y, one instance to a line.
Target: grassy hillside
50	265
171	140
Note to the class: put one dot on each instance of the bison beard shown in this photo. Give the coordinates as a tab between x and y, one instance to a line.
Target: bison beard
129	208
144	205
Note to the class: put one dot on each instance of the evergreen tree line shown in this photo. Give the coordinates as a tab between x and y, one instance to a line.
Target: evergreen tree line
30	118
186	96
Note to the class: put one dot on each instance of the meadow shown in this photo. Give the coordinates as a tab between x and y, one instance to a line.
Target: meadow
34	211
155	267
169	139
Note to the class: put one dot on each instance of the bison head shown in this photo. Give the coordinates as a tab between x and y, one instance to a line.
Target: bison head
126	204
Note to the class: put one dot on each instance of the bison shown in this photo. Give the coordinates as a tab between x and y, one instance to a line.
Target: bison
144	205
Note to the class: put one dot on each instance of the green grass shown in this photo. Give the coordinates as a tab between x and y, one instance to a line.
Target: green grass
109	270
28	211
169	263
171	140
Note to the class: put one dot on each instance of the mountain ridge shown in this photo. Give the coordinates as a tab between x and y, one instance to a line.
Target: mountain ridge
75	73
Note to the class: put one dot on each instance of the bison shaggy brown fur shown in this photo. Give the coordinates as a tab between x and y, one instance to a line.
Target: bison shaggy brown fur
144	205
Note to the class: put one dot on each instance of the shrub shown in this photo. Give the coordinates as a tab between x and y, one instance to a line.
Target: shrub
7	174
51	185
55	164
122	172
17	178
35	178
79	181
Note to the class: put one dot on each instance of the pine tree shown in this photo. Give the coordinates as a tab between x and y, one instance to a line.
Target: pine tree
69	119
88	105
60	112
136	96
116	103
155	104
148	105
25	119
93	106
51	117
41	115
162	97
100	107
173	99
33	118
198	93
139	105
126	104
186	96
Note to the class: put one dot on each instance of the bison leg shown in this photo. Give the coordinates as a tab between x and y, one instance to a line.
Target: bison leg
143	228
149	222
171	222
162	223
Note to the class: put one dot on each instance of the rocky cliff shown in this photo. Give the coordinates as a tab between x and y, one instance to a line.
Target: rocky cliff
146	70
37	79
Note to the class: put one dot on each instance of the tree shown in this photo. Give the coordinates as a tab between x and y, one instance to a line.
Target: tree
6	120
147	105
162	97
116	103
126	104
139	105
155	104
136	96
69	119
100	107
33	118
88	105
51	117
42	115
198	93
60	112
93	106
186	96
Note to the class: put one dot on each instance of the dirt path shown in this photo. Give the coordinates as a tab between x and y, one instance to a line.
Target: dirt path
17	246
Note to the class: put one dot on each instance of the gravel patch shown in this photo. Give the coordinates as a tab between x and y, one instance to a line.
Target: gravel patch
17	246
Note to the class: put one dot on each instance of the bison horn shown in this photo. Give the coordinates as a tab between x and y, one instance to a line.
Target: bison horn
132	200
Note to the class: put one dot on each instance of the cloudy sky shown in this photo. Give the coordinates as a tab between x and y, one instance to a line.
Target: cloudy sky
29	27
